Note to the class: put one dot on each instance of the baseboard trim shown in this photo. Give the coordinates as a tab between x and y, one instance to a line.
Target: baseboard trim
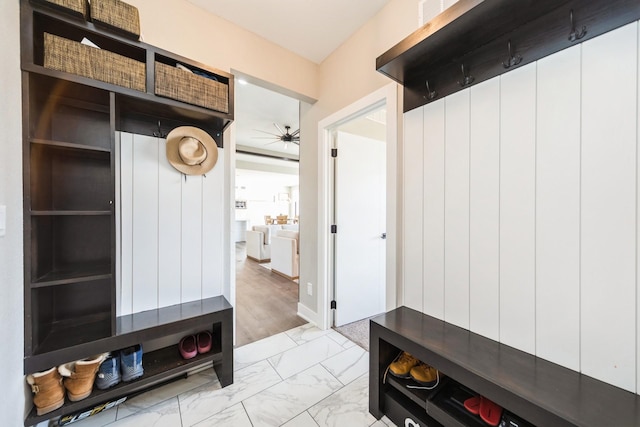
279	273
307	314
259	261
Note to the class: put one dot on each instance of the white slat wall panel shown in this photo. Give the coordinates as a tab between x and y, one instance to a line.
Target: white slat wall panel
169	230
558	209
212	236
413	208
609	230
145	223
434	190
637	224
517	208
192	238
484	209
124	223
456	202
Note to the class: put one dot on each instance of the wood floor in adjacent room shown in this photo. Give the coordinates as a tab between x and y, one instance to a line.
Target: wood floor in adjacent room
266	304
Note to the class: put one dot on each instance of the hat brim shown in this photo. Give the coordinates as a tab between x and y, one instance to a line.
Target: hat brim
173	156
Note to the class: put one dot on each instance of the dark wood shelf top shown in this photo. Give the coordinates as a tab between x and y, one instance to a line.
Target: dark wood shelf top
477	34
73	274
81	338
535	389
460	29
70	213
71	145
159	366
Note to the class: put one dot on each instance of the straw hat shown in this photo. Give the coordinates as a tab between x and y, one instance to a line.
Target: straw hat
191	150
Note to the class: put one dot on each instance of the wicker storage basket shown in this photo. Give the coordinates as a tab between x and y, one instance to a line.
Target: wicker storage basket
75	7
117	16
181	85
73	57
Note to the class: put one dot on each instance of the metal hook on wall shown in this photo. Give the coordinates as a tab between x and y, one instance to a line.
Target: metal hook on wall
466	79
430	94
513	59
159	133
574	35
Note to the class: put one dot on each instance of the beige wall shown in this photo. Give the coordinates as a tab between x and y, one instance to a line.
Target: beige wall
11	294
346	76
183	28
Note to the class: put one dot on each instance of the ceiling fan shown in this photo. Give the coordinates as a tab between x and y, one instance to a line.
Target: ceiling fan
283	136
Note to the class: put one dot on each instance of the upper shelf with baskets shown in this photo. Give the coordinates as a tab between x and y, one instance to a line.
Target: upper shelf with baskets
151	85
475	40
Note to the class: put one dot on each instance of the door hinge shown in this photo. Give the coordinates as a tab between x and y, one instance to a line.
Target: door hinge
334	152
333	304
334	229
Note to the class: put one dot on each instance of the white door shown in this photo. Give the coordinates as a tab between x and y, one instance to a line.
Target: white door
360	194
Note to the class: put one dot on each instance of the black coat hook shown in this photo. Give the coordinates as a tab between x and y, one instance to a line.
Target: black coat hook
430	94
574	35
513	59
159	133
466	79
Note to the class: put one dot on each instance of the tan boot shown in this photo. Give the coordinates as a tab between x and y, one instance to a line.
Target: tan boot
48	392
424	374
80	375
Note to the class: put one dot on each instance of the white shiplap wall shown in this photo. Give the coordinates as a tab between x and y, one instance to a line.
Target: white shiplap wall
524	189
170	230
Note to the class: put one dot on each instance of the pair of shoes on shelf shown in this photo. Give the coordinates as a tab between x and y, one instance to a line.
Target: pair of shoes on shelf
489	412
76	378
122	365
407	366
191	345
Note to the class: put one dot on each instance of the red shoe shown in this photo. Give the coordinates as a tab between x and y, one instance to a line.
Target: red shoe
490	412
472	404
204	342
187	347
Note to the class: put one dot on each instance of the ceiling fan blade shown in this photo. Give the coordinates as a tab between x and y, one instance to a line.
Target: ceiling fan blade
265	137
273	142
279	129
296	132
268	133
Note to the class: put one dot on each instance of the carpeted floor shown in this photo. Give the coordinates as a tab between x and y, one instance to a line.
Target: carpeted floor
357	332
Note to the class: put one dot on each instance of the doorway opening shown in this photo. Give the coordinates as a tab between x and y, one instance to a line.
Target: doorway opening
381	103
267	198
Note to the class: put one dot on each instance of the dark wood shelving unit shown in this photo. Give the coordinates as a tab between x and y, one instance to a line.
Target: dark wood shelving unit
532	390
69	135
476	34
160	328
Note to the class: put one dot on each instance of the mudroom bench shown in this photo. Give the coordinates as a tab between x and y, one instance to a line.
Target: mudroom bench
532	391
159	332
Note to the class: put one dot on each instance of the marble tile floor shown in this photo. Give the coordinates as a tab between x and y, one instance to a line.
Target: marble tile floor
304	377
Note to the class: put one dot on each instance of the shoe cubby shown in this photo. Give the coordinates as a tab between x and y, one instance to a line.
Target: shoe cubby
70	314
67	179
531	391
68	247
68	114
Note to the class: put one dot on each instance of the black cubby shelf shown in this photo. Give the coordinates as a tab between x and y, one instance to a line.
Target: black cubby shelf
159	366
69	145
146	105
531	390
159	330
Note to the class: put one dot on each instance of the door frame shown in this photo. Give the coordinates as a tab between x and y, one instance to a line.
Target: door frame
389	96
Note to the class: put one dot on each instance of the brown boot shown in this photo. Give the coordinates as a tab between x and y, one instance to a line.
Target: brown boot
80	375
48	392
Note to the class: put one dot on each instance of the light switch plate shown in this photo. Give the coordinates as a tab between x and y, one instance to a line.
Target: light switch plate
3	220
